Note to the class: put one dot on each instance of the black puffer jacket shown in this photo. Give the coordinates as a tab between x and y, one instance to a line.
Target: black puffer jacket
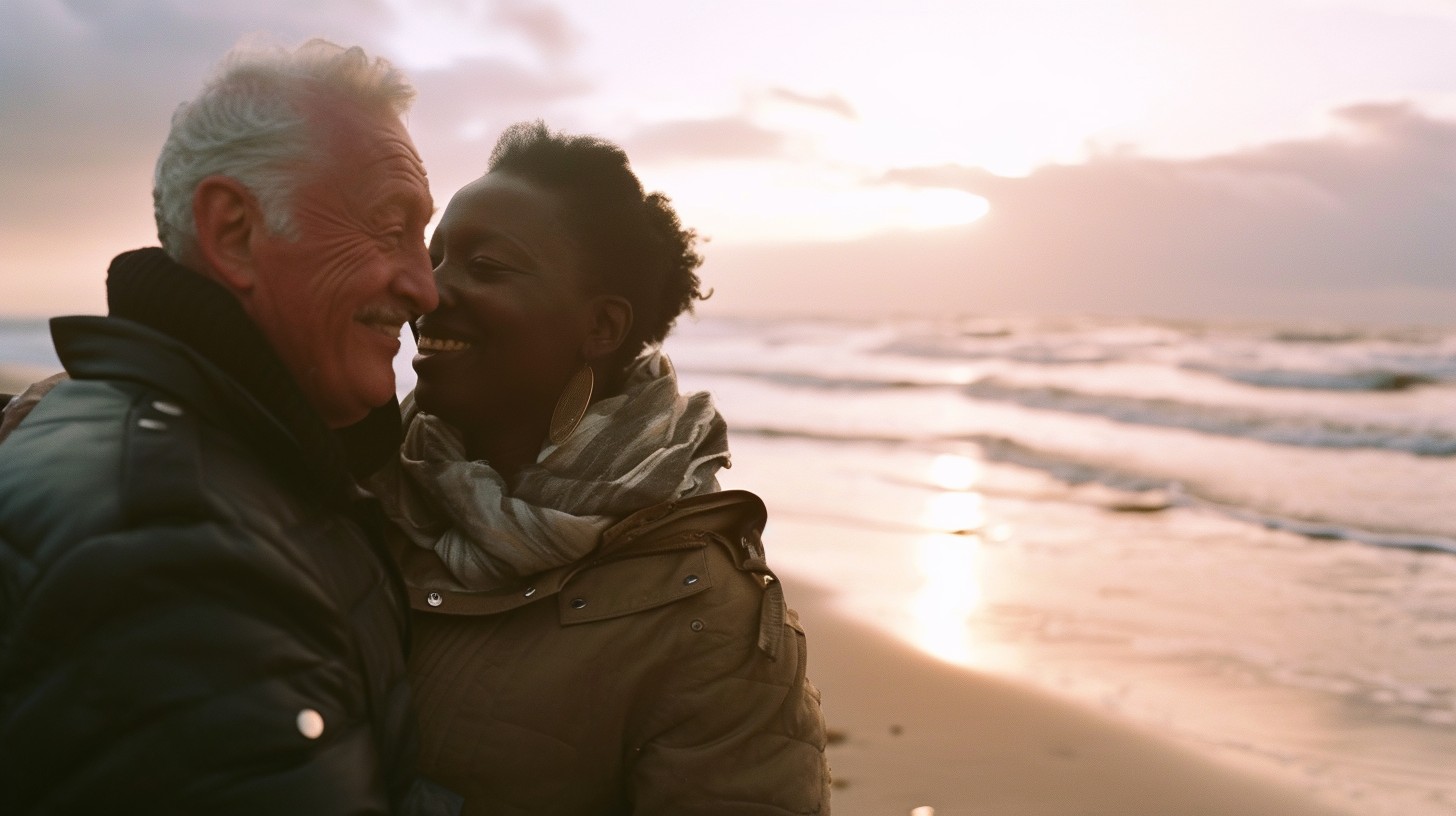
192	585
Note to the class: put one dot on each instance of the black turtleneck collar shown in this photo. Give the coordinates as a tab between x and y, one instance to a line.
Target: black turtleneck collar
148	287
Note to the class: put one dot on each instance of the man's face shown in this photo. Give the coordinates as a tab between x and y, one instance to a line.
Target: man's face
332	302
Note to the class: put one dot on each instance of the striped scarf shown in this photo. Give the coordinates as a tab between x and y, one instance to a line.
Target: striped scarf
642	447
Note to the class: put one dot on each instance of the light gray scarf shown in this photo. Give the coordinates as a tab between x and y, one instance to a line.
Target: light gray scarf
644	446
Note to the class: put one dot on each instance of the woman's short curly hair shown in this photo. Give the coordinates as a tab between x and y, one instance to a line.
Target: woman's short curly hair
633	242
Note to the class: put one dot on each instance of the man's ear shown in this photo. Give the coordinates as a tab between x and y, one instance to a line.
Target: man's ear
228	220
611	320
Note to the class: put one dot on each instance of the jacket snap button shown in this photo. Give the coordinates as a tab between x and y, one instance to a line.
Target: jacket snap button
310	723
577	603
170	409
697	625
434	599
691	579
530	592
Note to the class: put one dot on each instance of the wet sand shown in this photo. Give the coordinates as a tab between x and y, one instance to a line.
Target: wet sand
910	731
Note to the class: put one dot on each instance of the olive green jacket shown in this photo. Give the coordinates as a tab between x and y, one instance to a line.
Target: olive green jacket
662	674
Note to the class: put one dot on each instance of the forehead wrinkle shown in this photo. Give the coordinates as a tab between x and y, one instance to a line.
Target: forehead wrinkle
392	150
397	186
345	129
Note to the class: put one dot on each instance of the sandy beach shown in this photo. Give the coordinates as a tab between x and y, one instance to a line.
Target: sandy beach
910	731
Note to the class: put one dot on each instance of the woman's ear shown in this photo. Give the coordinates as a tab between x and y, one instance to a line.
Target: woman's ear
228	219
611	321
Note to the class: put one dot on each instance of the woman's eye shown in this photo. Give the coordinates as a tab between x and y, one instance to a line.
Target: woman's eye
487	266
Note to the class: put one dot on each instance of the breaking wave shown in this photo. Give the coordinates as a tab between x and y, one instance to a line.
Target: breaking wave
1073	472
1222	420
1306	431
1324	380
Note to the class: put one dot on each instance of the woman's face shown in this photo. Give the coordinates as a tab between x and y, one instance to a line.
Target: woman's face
514	315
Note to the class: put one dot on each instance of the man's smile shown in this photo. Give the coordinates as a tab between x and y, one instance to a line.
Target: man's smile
383	319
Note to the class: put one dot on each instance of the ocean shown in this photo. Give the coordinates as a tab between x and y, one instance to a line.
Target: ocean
1241	536
27	343
1238	535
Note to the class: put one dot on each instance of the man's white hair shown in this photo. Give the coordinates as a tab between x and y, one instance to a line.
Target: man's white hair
250	123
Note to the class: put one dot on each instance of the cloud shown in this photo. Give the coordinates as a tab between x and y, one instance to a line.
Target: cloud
1338	226
543	25
82	81
833	103
727	137
461	110
87	89
436	34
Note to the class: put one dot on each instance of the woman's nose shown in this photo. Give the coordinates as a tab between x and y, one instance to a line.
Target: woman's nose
444	285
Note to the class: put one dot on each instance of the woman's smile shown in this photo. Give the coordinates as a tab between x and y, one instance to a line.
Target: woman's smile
428	345
513	323
439	337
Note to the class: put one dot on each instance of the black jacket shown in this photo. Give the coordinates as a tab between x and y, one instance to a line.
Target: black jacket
192	582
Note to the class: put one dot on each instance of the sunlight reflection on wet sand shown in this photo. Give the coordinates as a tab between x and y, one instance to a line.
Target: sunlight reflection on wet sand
952	589
949	560
1149	616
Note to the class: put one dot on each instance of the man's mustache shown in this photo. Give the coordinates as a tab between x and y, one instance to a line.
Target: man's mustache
391	314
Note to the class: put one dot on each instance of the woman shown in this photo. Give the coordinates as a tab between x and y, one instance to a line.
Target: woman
596	630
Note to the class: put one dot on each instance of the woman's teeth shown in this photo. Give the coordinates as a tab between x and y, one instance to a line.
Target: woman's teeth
441	344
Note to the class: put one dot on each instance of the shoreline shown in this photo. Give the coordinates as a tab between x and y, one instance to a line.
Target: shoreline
911	731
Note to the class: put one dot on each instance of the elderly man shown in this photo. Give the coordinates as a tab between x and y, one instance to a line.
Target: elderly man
196	615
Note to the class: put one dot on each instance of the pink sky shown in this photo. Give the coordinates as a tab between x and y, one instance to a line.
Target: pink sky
1238	159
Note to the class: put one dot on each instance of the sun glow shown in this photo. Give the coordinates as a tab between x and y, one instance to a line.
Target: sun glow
759	202
951	592
954	512
954	472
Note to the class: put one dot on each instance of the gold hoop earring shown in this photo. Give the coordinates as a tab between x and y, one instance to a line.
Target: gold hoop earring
572	404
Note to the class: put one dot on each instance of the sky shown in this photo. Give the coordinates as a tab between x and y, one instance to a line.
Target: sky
1277	159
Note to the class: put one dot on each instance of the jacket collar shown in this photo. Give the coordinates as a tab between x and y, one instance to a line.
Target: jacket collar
733	518
172	329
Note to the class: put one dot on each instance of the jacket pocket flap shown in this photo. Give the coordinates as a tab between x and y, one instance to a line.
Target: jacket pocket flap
631	585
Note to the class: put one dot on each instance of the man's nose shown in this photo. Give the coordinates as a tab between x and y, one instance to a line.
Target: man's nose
416	281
